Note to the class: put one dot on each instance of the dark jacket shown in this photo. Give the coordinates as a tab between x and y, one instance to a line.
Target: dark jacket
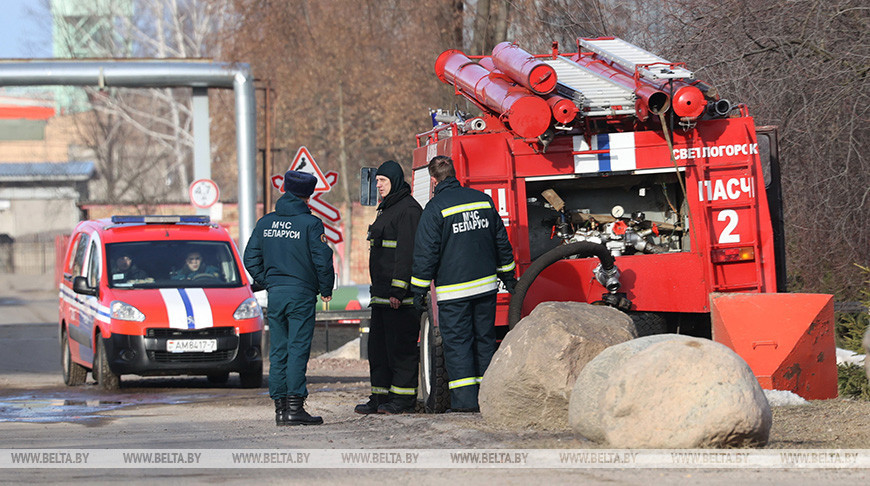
132	273
391	240
288	248
461	244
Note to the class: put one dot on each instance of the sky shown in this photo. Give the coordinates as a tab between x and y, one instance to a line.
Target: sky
23	35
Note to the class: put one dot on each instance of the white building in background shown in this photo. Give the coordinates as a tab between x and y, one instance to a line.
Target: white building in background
44	176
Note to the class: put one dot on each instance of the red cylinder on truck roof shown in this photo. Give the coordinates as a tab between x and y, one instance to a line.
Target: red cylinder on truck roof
688	101
524	68
528	115
563	109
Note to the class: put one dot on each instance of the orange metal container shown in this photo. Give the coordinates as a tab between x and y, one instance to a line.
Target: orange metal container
787	339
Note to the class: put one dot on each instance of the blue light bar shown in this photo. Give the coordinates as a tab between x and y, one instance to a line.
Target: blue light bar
161	219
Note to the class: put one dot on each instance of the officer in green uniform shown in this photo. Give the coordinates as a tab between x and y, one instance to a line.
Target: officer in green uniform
287	253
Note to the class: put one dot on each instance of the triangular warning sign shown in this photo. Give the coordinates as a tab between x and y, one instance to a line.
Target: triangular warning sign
304	162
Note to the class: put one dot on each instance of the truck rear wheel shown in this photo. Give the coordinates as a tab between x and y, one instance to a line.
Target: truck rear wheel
106	379
434	392
74	374
648	323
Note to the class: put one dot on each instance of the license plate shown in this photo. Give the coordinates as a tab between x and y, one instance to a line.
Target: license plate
192	346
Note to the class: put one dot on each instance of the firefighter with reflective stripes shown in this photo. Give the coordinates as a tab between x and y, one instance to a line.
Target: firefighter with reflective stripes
462	245
395	323
288	254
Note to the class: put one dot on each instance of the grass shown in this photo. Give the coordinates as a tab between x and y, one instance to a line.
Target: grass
849	334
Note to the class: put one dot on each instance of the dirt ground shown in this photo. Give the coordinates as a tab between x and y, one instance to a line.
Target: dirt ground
818	424
336	385
188	413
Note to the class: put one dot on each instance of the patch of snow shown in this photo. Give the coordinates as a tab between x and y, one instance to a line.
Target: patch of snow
845	356
780	398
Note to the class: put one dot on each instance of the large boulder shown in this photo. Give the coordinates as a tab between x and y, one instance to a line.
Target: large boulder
585	413
529	381
670	391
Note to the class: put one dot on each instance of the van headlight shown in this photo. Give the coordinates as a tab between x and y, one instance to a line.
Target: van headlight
126	312
248	309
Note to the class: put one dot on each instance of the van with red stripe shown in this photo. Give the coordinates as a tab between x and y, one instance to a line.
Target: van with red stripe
157	295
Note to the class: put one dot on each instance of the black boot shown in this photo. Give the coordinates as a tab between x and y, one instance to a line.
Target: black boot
280	411
372	405
295	413
398	406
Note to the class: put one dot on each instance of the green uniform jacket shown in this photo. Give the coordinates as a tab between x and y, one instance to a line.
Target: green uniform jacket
288	248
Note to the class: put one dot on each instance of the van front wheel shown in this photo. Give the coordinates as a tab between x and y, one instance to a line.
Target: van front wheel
106	380
74	374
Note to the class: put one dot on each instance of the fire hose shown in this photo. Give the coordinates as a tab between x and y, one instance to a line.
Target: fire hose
583	249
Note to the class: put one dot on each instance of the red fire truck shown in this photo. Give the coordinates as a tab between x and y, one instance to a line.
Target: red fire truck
623	180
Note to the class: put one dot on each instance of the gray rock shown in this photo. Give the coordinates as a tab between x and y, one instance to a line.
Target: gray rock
530	379
585	413
674	392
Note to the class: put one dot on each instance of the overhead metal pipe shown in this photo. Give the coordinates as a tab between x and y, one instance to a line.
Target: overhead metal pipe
161	73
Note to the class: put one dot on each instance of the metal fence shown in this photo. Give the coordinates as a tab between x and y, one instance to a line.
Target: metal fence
27	257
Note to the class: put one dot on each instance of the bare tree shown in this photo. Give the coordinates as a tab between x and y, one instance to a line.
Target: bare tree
157	141
354	82
353	79
536	24
799	64
803	66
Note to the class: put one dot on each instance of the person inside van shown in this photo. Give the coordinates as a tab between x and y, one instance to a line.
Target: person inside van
125	269
194	267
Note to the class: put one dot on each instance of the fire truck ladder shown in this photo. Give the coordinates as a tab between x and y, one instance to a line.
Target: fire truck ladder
635	59
595	95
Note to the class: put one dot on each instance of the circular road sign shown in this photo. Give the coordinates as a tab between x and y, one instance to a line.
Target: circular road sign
204	193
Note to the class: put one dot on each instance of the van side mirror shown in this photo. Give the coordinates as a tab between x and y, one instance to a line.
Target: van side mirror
368	186
80	286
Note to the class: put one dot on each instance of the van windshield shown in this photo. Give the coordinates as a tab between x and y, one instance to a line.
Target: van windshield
175	264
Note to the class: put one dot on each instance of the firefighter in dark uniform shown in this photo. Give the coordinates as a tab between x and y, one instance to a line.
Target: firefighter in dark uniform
395	323
462	245
287	253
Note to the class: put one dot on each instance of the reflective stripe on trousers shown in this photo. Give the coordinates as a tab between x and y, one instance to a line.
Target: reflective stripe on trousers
473	380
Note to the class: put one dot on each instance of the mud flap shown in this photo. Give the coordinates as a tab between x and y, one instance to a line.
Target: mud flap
786	339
